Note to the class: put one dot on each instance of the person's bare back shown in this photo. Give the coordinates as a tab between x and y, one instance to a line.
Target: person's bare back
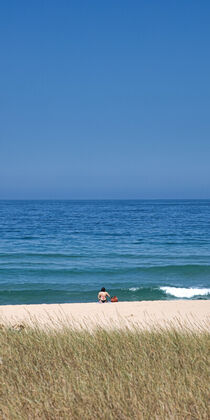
102	295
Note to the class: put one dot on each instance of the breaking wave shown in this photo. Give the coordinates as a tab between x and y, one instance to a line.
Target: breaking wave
182	292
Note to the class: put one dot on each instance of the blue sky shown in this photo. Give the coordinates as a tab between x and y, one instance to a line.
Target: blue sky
104	99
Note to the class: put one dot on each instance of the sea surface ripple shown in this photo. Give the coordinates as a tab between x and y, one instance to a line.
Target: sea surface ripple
66	250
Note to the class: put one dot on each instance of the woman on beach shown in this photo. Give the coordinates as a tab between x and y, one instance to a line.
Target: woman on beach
102	296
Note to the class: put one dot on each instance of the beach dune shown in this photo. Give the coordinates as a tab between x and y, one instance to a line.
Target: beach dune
143	314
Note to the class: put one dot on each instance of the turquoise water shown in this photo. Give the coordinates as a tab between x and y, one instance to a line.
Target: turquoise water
65	251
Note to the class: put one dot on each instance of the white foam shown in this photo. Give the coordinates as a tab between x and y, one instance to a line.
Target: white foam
133	289
184	292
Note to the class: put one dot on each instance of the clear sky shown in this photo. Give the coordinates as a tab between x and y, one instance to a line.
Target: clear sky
104	99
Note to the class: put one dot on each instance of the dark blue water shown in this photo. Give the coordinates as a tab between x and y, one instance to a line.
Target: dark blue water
65	251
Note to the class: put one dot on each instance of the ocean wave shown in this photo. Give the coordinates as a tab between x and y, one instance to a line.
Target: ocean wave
182	292
159	269
60	293
40	255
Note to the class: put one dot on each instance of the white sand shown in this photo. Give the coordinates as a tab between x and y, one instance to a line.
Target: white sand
145	314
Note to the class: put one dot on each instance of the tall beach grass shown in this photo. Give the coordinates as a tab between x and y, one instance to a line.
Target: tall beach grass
115	374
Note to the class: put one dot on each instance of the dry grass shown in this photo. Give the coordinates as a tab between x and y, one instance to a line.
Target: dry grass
126	374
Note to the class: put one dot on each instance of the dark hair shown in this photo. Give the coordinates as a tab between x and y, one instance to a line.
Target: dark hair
103	289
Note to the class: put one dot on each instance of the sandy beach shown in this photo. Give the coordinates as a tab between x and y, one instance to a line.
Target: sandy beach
144	314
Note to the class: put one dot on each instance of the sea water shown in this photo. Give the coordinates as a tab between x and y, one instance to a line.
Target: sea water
65	251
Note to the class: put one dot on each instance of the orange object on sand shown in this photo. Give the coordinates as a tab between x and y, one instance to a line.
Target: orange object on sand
114	299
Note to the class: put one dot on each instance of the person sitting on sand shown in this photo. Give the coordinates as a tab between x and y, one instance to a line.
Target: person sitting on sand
102	296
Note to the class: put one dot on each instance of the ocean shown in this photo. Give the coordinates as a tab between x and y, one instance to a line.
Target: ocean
66	250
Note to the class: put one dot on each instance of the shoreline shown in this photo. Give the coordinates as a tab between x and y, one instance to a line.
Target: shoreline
194	314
